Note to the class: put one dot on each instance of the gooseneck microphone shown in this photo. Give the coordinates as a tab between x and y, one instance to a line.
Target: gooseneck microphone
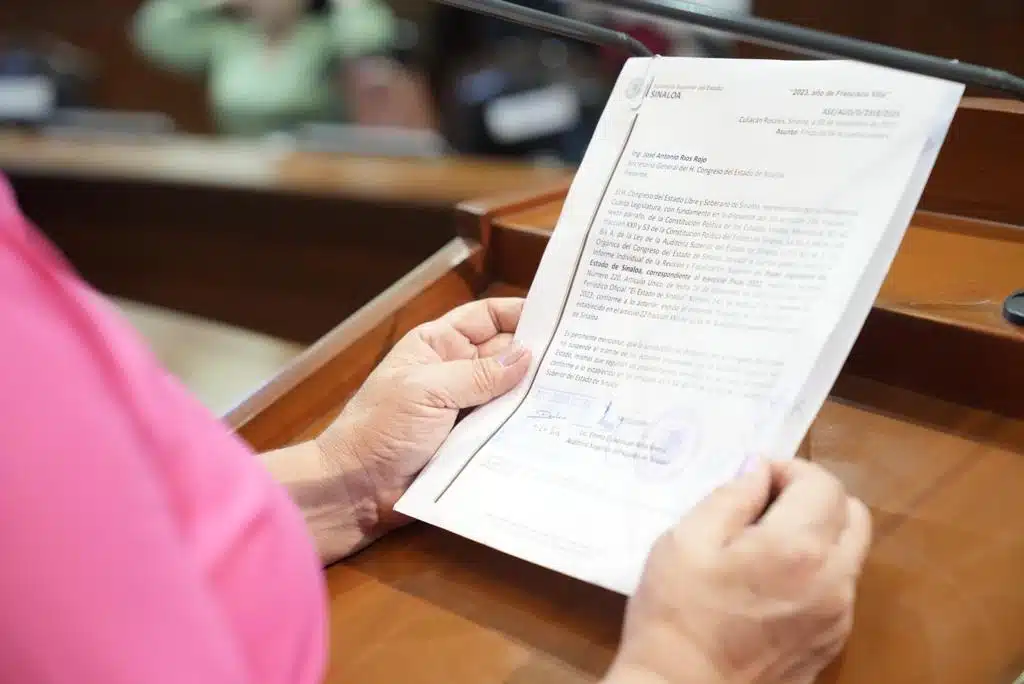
752	29
552	23
820	44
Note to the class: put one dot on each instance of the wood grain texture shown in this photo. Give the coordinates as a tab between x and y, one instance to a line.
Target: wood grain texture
944	482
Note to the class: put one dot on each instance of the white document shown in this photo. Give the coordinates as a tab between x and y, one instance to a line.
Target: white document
717	255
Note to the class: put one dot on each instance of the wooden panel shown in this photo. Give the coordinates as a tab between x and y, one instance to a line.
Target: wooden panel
942	481
282	264
980	163
941	600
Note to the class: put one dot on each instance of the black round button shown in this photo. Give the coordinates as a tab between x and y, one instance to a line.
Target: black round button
1013	308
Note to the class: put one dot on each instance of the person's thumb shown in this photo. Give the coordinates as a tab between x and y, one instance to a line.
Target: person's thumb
732	507
468	383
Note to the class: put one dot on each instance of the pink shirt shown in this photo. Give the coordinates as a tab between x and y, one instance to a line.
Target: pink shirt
140	541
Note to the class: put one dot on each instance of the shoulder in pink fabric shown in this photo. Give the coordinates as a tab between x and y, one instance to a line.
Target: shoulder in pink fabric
141	541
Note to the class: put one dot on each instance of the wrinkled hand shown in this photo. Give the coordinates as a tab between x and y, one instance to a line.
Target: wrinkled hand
408	405
733	597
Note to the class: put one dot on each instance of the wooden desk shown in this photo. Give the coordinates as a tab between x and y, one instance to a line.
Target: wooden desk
282	243
926	424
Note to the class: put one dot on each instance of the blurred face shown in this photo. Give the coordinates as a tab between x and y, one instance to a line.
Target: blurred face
275	14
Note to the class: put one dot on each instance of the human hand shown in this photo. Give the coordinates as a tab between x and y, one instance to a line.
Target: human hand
731	596
408	405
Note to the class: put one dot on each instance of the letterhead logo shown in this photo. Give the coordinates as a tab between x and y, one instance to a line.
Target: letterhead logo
634	87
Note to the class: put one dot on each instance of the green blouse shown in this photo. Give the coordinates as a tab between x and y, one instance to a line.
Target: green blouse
254	90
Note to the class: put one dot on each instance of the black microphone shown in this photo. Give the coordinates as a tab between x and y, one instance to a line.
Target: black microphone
552	23
765	32
753	29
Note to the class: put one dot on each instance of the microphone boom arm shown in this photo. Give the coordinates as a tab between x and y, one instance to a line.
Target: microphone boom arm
752	29
552	23
822	44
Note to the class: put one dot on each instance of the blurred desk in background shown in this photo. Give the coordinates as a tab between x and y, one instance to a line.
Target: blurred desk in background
256	235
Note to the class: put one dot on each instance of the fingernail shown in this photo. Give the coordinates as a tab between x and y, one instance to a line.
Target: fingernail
511	355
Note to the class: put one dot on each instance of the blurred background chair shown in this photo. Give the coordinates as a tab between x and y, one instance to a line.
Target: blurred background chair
506	90
40	75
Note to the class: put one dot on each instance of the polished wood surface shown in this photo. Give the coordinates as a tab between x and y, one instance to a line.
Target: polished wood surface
936	452
254	235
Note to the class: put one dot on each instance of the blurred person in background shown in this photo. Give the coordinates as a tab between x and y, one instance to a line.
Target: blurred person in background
511	91
272	65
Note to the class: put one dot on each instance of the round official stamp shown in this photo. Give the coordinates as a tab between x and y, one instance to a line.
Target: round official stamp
668	444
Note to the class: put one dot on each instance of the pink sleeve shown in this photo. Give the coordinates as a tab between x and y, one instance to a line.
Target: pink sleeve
139	541
95	585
